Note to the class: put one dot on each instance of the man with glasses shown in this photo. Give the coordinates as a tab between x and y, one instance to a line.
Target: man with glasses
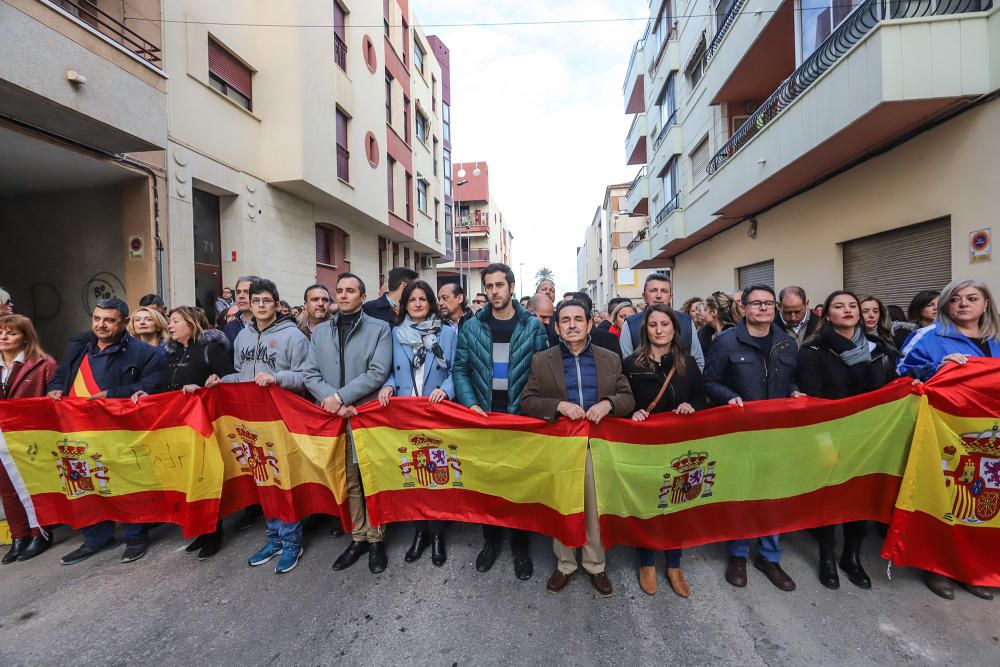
478	302
753	361
795	317
271	351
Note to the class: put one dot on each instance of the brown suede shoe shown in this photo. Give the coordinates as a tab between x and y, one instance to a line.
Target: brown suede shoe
647	579
736	571
558	581
601	584
775	574
678	582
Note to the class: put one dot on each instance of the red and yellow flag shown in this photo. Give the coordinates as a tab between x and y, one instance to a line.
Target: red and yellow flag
947	515
423	461
84	384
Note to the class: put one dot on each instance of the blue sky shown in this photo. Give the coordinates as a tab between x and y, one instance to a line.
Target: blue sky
543	105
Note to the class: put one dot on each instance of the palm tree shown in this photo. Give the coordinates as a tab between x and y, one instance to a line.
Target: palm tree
544	274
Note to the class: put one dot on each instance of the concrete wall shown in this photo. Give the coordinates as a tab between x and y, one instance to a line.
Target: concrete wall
915	182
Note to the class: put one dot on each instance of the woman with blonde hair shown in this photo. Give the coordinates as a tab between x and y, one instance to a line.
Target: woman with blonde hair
619	314
721	313
25	372
149	326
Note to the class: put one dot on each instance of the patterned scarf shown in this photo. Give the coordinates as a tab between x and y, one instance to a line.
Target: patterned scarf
422	338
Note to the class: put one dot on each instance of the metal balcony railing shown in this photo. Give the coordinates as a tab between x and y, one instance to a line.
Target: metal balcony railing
473	228
851	30
724	27
639	46
668	208
343	164
476	255
635	182
639	237
112	28
340	52
671	121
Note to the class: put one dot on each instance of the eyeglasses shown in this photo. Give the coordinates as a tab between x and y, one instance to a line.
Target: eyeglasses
261	302
762	305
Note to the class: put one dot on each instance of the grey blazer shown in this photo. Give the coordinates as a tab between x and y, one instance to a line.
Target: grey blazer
367	360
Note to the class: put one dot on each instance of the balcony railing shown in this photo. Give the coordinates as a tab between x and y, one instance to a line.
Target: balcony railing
635	182
112	28
639	46
340	52
724	27
668	208
475	255
343	164
859	23
639	237
671	121
473	228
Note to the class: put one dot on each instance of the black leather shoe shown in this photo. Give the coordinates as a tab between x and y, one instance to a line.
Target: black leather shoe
850	563
36	547
249	517
736	571
351	555
377	559
416	550
978	591
134	550
85	552
488	556
438	555
197	544
828	572
337	529
940	585
523	568
16	547
210	545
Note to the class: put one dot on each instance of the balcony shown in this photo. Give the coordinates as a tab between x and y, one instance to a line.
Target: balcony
637	197
122	106
634	90
635	143
890	69
472	229
668	208
476	258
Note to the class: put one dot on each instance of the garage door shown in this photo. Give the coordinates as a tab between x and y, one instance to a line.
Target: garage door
897	264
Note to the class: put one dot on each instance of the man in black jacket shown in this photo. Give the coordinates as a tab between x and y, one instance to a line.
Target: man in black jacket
386	307
753	361
451	301
795	317
598	337
106	362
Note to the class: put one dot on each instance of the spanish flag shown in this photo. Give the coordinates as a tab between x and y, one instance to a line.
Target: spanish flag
947	515
84	384
422	461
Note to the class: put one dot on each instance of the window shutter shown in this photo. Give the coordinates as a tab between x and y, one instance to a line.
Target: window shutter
761	273
338	21
341	130
225	66
323	246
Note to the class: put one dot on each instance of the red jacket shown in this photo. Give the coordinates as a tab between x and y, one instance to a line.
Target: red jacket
29	379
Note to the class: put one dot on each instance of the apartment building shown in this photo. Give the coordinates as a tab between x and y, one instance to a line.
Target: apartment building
481	235
603	269
827	144
443	56
82	136
299	153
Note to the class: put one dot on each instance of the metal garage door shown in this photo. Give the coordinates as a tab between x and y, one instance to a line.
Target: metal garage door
761	273
897	264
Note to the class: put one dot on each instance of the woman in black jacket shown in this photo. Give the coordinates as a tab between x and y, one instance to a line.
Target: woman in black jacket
664	378
842	360
193	356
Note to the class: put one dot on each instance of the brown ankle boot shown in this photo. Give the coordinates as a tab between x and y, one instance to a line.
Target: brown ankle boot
647	579
678	582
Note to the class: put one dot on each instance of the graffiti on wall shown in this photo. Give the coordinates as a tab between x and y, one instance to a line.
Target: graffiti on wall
102	285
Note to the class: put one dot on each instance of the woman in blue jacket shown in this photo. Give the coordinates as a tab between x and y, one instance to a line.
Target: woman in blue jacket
967	325
423	355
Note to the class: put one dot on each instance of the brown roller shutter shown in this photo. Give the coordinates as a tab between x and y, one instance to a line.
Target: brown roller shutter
224	65
897	264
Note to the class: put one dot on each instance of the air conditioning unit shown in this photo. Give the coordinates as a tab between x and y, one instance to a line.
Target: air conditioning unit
427	262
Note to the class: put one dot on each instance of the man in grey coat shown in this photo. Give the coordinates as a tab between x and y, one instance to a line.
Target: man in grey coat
350	357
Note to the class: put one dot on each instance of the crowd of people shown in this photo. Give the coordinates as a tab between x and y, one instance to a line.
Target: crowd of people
535	356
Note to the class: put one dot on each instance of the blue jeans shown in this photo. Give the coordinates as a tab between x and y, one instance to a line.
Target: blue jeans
768	548
289	533
96	536
647	557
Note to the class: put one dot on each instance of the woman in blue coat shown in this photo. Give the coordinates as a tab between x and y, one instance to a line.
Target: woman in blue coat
967	325
423	355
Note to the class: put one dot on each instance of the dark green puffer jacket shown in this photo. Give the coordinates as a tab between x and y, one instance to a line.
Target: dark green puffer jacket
473	373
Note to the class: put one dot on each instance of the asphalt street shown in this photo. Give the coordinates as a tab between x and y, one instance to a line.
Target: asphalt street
170	609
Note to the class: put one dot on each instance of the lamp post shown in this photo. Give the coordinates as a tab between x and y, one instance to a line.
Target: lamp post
520	275
476	172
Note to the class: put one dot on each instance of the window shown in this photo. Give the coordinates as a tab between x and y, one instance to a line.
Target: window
437	220
406	256
699	161
229	76
447	172
339	43
434	155
388	98
406	119
418	56
333	248
722	8
434	99
661	29
421	121
696	66
409	197
621	239
669	180
448	247
818	19
446	119
625	277
391	168
343	155
207	248
406	41
371	149
667	103
385	15
422	194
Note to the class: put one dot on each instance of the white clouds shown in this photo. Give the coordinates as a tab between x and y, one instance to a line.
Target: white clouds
543	105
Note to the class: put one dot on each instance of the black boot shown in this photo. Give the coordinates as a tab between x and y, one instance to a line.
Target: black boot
416	550
850	563
828	569
18	545
210	545
36	547
438	555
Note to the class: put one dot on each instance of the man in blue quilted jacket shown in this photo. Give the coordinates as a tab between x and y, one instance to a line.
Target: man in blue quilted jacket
492	364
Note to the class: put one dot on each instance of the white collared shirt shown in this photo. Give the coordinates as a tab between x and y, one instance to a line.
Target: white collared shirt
5	369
